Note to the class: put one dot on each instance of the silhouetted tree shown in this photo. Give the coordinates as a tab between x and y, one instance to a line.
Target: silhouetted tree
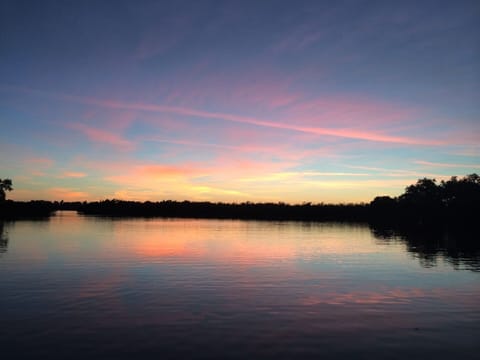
5	185
422	202
453	201
383	203
424	191
461	197
383	207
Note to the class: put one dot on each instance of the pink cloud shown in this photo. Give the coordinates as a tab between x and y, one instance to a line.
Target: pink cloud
343	133
42	162
114	120
339	112
73	174
135	174
220	168
51	193
295	119
229	177
279	149
39	166
67	194
103	136
168	170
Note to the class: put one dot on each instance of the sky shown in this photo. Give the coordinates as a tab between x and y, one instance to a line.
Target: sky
234	101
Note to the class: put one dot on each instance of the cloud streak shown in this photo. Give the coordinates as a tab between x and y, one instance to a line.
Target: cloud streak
102	136
348	133
447	165
73	174
343	133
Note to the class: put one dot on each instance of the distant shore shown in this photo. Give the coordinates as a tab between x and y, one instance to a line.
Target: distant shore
35	209
376	212
456	201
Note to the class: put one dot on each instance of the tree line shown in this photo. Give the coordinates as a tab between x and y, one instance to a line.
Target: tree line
428	201
456	200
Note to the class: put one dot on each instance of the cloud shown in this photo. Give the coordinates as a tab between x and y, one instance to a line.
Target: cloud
103	136
343	133
209	180
220	169
61	193
73	174
51	193
408	175
114	139
299	175
169	171
447	165
42	162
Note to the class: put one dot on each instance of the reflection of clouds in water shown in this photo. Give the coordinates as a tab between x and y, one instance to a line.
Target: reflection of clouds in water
240	242
3	239
385	296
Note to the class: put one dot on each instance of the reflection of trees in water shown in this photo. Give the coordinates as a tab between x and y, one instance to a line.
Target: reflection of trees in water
3	239
459	247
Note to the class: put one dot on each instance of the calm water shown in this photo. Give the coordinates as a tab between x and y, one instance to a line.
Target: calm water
83	286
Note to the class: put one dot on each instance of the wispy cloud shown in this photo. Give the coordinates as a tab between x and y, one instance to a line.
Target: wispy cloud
51	193
276	149
346	132
298	175
102	136
73	174
67	194
41	161
446	165
397	173
343	133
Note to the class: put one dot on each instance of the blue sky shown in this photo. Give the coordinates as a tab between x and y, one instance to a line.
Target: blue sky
332	101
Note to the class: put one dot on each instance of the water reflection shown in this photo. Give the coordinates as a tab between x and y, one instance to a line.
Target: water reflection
137	288
458	247
3	238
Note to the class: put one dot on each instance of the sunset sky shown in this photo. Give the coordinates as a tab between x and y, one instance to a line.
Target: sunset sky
321	101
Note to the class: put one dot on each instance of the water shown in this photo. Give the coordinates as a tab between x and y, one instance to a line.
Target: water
76	287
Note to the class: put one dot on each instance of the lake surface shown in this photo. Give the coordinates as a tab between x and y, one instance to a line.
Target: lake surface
76	287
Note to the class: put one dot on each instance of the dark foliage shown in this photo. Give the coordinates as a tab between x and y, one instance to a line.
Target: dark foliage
12	210
5	185
430	203
259	211
425	203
